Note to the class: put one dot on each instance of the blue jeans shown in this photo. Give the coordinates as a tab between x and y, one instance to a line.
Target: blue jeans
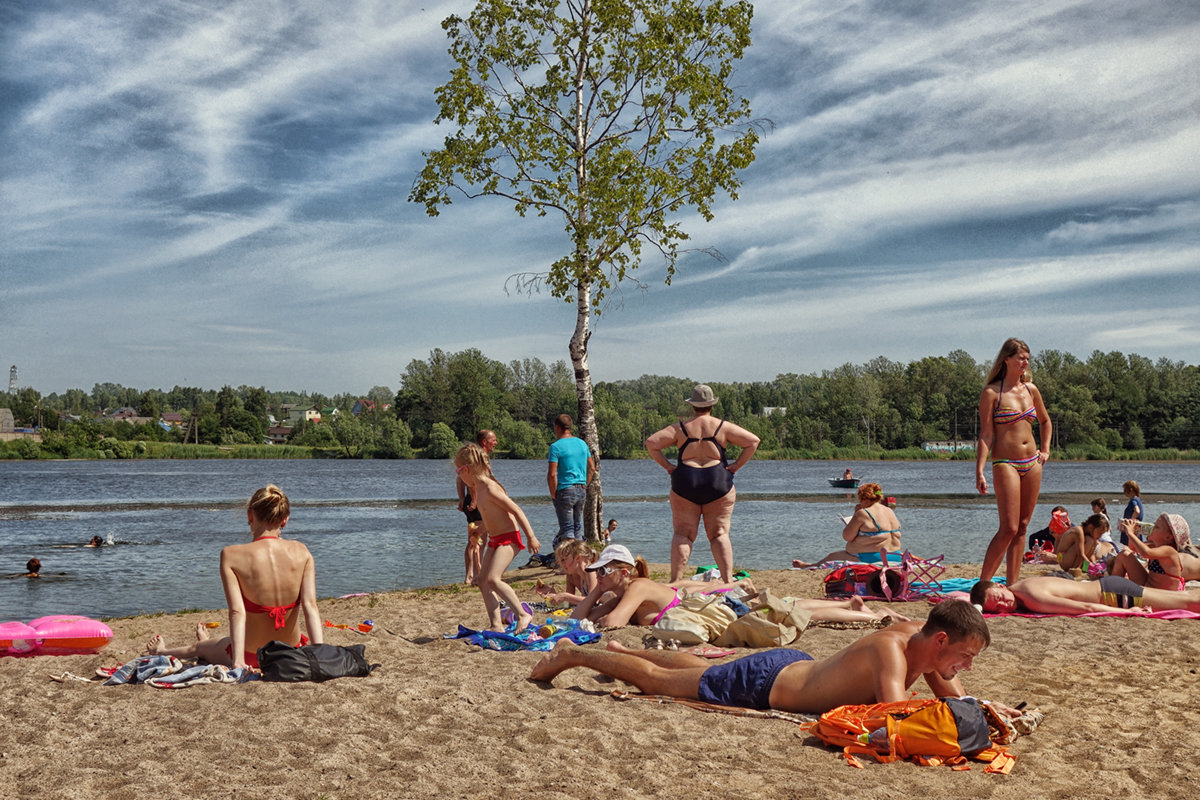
568	505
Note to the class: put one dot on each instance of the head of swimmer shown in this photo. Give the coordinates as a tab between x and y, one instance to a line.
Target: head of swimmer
958	633
33	566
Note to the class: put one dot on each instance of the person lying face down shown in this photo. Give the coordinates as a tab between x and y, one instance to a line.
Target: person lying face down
879	667
1051	595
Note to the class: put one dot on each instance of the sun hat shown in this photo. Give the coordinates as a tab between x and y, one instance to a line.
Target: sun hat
1178	527
702	397
614	552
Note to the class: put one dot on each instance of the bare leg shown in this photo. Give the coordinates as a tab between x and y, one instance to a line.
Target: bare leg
1031	487
647	676
493	586
671	659
1008	503
685	519
1163	599
211	650
836	555
469	556
718	516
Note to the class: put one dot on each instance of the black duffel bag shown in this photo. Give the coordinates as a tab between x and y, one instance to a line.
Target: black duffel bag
312	662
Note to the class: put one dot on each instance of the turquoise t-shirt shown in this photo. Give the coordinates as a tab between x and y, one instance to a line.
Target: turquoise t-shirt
572	454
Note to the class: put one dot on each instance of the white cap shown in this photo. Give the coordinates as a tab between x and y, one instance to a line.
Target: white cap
614	552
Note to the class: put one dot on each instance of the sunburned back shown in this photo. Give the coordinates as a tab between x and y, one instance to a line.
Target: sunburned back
852	676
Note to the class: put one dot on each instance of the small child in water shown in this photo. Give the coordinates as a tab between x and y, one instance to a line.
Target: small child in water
504	521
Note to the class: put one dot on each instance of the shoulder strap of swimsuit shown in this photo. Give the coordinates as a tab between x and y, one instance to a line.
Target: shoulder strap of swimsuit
873	522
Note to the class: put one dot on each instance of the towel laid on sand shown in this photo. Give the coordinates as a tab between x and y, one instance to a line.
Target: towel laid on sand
527	639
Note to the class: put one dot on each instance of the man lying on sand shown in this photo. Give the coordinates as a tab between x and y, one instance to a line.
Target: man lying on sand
1051	595
877	668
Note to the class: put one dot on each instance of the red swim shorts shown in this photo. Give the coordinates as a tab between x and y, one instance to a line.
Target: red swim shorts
512	538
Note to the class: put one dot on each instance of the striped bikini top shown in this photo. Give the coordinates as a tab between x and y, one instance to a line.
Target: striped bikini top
1007	416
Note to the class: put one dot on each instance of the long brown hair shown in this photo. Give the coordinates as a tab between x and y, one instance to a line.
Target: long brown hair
999	369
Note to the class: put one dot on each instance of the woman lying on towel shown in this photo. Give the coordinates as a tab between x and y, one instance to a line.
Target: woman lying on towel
635	599
872	527
267	581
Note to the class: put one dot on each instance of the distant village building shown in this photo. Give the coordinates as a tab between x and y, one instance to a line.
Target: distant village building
948	446
129	415
172	419
7	423
278	434
770	411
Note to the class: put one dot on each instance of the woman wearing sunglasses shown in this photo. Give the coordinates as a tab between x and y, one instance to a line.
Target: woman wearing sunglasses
625	595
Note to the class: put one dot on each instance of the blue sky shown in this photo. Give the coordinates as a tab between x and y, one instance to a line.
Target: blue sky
216	193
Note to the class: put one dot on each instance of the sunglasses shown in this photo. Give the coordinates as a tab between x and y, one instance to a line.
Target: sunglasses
605	570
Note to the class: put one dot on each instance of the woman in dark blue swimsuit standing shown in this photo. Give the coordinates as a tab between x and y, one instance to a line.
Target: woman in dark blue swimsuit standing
702	480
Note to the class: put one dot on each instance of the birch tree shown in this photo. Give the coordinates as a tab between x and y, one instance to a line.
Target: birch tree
616	116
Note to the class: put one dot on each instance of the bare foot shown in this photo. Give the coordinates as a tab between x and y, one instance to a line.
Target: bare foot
616	647
747	588
887	612
857	603
201	632
798	564
523	621
553	662
156	646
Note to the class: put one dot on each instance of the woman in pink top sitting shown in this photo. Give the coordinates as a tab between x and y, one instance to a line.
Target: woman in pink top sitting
267	582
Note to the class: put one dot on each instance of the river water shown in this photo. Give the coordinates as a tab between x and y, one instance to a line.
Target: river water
382	525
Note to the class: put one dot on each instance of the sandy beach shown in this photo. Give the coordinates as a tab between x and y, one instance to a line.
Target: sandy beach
441	718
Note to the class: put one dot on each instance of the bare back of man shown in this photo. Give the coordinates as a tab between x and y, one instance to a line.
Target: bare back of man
877	668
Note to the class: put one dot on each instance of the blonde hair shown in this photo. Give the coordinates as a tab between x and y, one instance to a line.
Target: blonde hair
999	369
870	491
576	548
270	505
474	458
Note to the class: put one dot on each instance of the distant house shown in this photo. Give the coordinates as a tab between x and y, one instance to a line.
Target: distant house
329	411
7	423
129	415
367	405
173	419
770	411
278	434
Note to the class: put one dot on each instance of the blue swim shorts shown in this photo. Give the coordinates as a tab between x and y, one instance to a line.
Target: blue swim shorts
746	682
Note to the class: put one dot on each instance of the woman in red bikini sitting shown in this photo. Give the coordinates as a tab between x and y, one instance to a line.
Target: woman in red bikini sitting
267	582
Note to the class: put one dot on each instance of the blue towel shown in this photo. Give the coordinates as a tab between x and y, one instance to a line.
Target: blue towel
526	640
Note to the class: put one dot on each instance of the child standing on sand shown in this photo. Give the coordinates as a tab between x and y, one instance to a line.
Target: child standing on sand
504	521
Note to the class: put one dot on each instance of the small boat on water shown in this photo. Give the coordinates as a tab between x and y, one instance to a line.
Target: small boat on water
844	483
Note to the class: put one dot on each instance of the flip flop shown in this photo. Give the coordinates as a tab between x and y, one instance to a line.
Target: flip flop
706	651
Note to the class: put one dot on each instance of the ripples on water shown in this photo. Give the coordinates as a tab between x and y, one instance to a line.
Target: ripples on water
375	525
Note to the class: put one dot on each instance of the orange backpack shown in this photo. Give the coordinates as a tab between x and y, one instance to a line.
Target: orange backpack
928	732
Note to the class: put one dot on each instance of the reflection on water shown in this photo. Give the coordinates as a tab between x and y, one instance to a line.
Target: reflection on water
376	525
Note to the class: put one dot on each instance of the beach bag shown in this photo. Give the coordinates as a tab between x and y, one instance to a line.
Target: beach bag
945	731
869	581
772	622
312	662
698	619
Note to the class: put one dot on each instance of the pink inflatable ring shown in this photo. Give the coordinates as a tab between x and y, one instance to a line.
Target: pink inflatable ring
55	635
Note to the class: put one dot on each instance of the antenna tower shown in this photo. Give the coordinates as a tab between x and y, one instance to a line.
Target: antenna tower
12	379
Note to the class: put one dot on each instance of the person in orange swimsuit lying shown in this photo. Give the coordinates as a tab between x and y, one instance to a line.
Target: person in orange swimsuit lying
267	582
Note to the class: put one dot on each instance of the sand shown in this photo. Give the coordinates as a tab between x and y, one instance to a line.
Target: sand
441	718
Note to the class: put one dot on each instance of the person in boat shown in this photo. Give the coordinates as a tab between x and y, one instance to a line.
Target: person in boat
873	527
702	480
847	475
268	582
1008	407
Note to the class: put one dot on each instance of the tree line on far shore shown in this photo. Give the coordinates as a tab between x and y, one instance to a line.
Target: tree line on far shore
1111	405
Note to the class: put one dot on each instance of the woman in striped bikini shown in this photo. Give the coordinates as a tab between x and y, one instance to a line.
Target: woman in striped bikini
1008	407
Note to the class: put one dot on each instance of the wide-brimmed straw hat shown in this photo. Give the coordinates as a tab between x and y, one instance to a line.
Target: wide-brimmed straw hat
702	397
1178	527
